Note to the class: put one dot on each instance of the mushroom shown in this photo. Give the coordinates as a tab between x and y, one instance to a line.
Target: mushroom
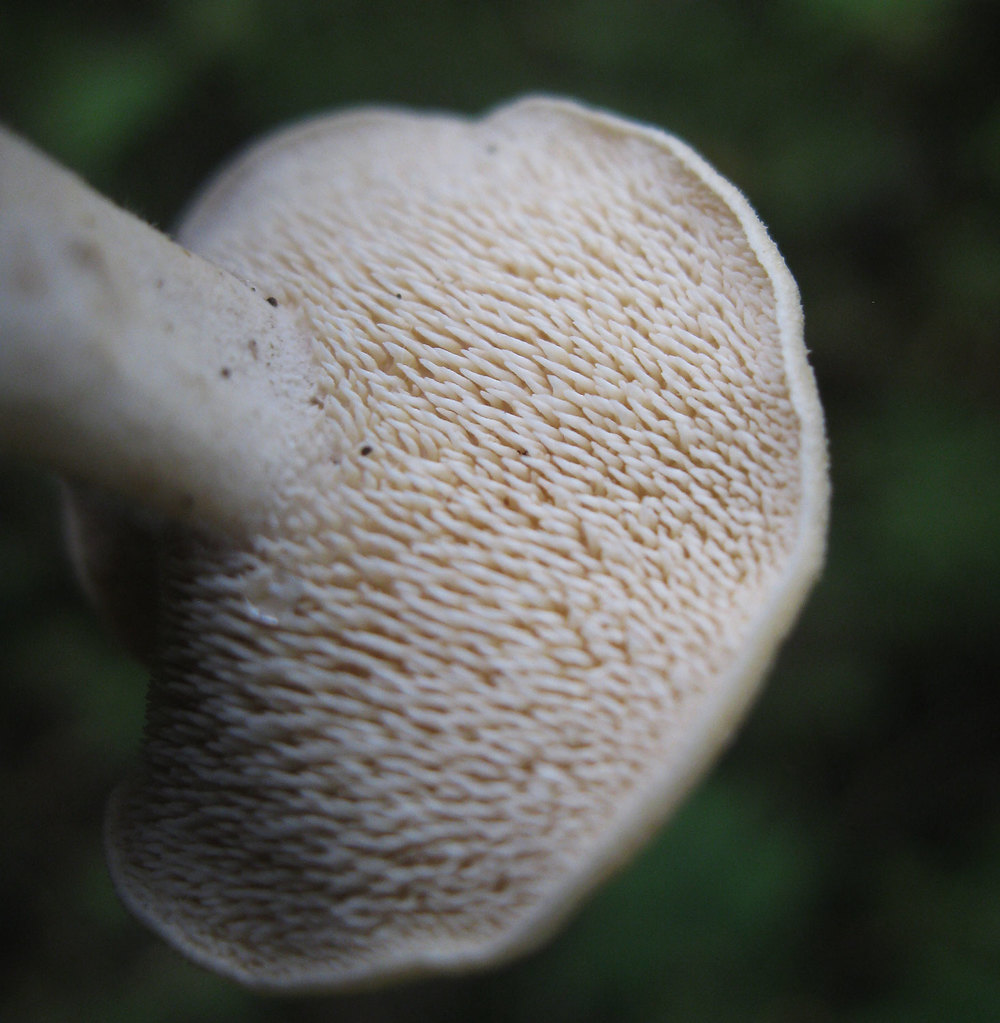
479	471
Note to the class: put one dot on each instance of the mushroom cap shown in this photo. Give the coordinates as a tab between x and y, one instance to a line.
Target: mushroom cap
568	496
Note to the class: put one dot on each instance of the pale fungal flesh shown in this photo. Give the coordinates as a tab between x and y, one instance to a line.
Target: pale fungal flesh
565	498
124	358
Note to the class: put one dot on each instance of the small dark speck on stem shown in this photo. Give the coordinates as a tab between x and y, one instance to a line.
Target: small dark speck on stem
272	301
225	372
86	254
366	449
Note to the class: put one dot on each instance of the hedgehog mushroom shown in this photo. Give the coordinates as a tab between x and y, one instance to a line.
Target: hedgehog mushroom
538	485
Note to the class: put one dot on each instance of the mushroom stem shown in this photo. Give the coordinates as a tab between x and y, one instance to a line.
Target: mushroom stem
132	364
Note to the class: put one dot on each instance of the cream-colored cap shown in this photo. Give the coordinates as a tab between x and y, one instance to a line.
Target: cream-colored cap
568	495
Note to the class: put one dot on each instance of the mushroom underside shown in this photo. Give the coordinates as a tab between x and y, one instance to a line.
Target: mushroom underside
565	498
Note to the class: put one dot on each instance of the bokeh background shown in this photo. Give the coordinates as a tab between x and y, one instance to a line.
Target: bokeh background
843	859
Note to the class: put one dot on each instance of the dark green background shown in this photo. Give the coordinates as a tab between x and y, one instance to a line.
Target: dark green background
843	860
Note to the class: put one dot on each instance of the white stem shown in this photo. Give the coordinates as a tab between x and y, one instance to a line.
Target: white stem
130	363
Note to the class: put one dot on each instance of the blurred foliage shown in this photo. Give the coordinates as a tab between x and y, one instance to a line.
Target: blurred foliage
843	861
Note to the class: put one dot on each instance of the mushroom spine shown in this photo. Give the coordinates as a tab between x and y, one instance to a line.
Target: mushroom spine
487	472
